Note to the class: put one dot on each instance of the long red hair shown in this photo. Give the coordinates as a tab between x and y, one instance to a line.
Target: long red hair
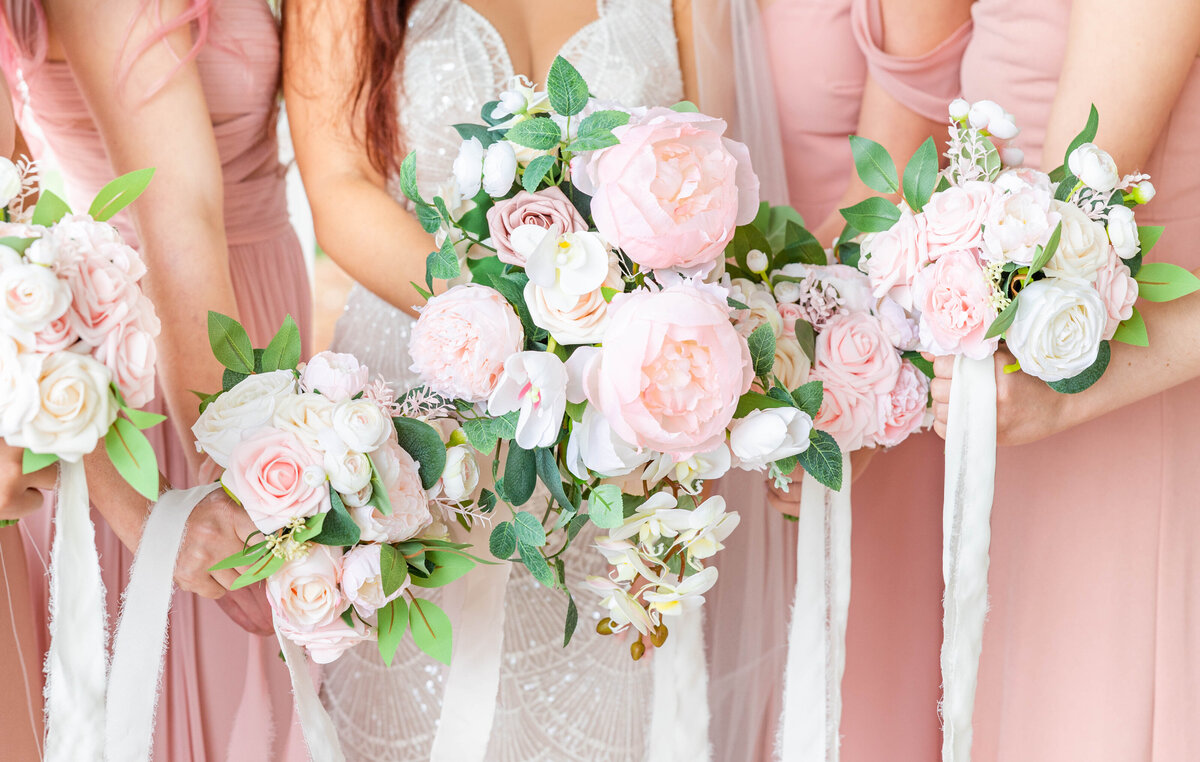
380	45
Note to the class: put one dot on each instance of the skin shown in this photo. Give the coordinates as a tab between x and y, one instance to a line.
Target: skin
910	28
1135	103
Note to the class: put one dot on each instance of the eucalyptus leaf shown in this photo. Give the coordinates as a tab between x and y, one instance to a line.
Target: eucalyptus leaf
547	469
479	132
17	244
535	562
424	444
529	530
503	540
339	530
685	107
1086	378
571	622
520	475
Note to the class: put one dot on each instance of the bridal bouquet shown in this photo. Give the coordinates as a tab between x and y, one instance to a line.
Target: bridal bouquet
590	334
988	252
348	495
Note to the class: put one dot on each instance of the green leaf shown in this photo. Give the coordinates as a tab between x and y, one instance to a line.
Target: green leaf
566	88
231	378
486	501
547	469
520	475
1047	252
593	141
572	620
447	567
529	530
922	364
1148	236
1162	282
873	215
920	175
802	247
809	397
485	270
430	629
608	119
443	263
762	349
535	562
18	245
393	621
1133	331
408	178
428	216
577	523
874	165
1089	376
393	568
49	210
119	194
283	353
133	457
849	254
312	527
35	461
379	496
230	343
339	530
261	569
751	401
807	338
503	540
823	459
144	419
483	432
536	170
424	444
512	288
1087	135
685	107
539	133
1003	320
243	558
478	131
606	506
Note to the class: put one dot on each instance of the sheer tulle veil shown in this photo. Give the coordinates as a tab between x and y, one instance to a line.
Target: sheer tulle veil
746	617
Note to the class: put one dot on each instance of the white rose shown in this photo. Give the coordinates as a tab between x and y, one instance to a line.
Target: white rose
1058	328
349	471
358	499
309	416
362	580
959	109
10	181
757	261
360	424
305	592
32	296
534	383
19	373
461	475
1083	248
499	168
1123	232
1094	167
571	264
75	408
240	411
791	364
766	436
594	445
468	168
787	292
572	319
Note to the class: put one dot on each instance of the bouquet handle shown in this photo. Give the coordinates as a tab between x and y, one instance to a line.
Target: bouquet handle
966	535
812	708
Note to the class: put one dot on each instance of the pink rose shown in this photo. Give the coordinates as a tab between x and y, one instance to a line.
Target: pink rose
1119	291
954	297
335	375
790	314
103	297
849	415
902	410
854	351
56	336
327	643
671	369
130	352
304	592
277	479
954	217
543	209
672	191
895	256
460	342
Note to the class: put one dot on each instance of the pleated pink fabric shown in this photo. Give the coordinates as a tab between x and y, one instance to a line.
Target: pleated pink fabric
226	694
1092	645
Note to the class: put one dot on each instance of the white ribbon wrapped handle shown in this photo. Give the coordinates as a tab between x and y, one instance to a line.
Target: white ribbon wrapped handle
966	536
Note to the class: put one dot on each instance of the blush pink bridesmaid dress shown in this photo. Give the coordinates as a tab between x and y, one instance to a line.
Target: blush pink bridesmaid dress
821	53
1092	645
225	693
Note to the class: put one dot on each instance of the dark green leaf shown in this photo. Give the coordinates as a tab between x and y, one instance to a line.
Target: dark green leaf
133	457
424	444
1089	376
547	469
566	88
119	194
49	210
572	620
1003	320
809	396
762	349
922	364
486	501
874	165
520	475
536	170
807	338
823	459
283	353
512	288
1162	282
230	343
751	401
849	254
485	270
802	247
478	131
35	461
575	524
1087	135
535	562
529	530
873	215
503	540
538	133
339	530
920	176
393	621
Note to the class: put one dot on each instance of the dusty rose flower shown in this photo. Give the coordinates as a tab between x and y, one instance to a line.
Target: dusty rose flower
545	208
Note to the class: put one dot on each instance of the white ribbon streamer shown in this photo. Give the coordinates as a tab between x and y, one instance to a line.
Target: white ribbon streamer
812	708
77	663
679	719
319	733
142	631
966	533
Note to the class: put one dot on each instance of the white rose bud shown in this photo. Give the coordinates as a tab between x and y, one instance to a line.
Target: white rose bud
499	168
10	181
959	109
756	261
1004	128
1123	231
461	476
1012	157
983	113
1143	192
766	436
786	291
1058	328
360	424
468	167
1092	165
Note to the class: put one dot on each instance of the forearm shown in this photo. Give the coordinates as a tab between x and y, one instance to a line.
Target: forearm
124	509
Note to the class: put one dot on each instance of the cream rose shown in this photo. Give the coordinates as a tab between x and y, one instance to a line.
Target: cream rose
32	296
1058	328
360	424
246	407
349	472
765	436
74	411
1123	232
305	592
1094	167
791	364
572	319
461	475
309	416
1083	248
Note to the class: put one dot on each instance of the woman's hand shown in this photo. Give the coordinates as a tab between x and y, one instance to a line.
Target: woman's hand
19	493
788	503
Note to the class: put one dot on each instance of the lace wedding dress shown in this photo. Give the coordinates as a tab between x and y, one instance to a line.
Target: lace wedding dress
588	701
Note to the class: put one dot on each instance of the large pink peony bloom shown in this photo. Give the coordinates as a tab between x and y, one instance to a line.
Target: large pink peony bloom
671	369
462	339
902	410
954	297
672	191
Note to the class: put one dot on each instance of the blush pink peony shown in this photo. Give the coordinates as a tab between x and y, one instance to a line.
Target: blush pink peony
335	375
954	217
103	297
672	191
671	369
276	478
954	297
902	410
460	342
545	208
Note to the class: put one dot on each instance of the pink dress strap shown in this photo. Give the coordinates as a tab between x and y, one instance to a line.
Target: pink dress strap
926	83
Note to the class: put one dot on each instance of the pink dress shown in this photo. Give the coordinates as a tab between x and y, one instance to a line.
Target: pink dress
226	693
821	52
1092	645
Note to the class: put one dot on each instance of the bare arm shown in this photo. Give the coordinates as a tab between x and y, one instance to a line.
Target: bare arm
685	33
345	191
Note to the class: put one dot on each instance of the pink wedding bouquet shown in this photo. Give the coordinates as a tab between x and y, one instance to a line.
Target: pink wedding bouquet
588	330
77	335
988	251
349	491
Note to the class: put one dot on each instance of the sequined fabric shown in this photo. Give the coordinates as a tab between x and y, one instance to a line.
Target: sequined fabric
588	701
